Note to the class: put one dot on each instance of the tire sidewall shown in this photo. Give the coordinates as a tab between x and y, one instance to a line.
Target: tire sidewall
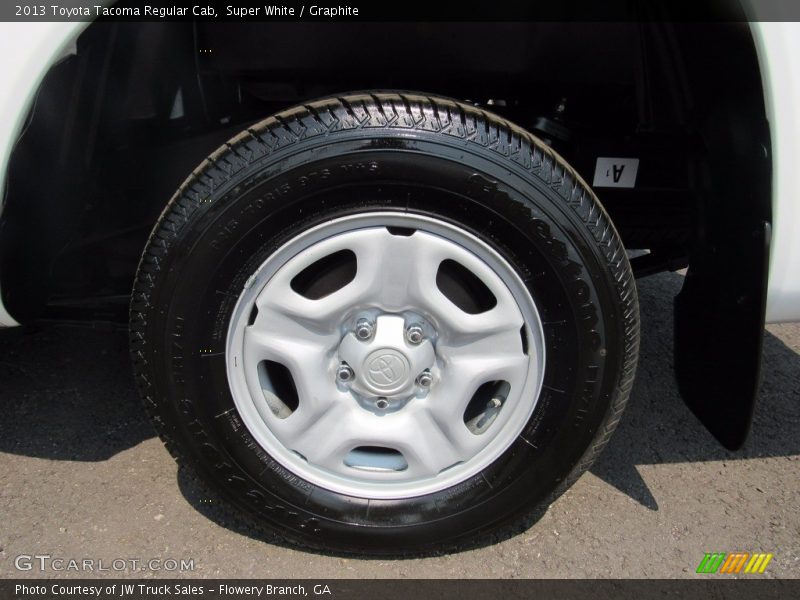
239	225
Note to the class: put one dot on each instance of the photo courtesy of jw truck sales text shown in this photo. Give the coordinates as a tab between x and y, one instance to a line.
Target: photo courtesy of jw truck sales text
137	590
356	291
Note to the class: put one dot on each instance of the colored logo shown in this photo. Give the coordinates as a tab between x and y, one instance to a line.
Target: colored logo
735	562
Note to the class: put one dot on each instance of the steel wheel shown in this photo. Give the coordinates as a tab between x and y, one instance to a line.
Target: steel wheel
390	383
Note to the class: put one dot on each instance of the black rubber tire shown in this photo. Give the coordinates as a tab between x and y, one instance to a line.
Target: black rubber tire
385	151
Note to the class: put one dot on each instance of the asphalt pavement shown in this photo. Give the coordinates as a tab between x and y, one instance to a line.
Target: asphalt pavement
82	477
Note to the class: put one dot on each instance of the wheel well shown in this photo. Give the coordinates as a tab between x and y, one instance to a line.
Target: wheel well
119	124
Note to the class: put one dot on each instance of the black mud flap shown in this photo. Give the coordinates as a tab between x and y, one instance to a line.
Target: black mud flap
719	328
719	313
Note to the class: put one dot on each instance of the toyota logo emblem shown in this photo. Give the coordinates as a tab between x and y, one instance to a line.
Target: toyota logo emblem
386	369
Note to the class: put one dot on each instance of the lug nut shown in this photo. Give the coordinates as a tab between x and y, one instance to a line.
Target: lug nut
382	403
364	329
344	373
414	333
425	379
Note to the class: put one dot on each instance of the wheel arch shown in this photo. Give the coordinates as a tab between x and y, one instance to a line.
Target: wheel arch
57	245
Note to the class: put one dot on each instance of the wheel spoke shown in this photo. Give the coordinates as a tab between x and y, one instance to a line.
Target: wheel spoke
396	271
494	357
427	446
319	316
306	355
460	328
326	439
431	445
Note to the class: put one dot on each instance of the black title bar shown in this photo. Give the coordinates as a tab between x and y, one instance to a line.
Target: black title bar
372	11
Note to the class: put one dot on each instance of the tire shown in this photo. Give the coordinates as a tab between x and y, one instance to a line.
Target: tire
427	169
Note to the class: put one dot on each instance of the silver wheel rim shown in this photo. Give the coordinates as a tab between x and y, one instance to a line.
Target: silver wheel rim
398	391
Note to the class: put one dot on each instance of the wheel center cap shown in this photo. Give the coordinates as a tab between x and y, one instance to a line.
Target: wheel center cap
386	370
386	365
